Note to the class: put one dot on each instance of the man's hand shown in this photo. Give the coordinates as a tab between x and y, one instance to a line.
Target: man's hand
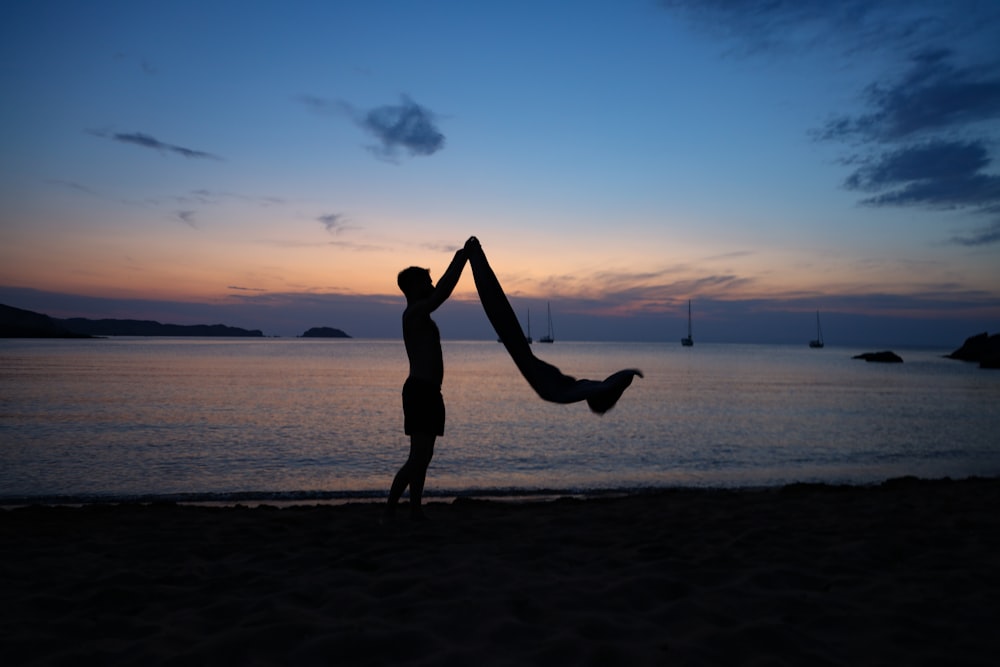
472	244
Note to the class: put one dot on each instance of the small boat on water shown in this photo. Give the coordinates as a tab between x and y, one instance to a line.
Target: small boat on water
527	338
688	340
550	336
818	341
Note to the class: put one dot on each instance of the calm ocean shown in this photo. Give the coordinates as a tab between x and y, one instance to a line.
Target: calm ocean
293	419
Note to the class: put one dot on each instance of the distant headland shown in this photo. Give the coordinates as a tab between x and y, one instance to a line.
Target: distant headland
150	328
19	323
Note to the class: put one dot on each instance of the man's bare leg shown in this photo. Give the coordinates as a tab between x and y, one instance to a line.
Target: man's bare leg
413	473
421	451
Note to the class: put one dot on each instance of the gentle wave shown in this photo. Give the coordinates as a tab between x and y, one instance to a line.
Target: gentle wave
236	420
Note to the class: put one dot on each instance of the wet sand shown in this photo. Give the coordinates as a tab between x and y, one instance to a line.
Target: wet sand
907	572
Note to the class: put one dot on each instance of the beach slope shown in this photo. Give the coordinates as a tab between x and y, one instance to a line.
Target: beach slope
907	572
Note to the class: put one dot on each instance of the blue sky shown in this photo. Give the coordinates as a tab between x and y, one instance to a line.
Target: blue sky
273	165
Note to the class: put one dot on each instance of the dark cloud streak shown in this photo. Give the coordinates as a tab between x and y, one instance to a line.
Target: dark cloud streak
926	140
187	217
924	133
334	222
406	126
933	96
937	174
147	141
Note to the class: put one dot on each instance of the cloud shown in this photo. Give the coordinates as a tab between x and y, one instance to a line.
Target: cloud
926	126
145	66
938	174
987	235
146	141
321	105
925	139
187	217
933	96
406	126
848	27
73	185
334	222
206	196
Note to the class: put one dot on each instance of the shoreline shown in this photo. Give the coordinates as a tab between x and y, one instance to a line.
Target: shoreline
287	499
904	572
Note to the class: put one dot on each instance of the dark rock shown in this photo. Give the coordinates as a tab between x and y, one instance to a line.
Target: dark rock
982	348
885	357
324	332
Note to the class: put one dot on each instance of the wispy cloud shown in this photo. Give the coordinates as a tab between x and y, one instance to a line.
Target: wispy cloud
187	217
845	27
925	131
934	95
986	235
357	247
214	196
144	65
405	127
937	174
147	141
924	141
334	222
73	185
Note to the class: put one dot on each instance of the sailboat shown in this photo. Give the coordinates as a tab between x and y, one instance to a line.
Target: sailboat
548	337
818	341
688	341
528	337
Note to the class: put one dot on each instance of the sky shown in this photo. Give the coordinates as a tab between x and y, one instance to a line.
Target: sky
273	165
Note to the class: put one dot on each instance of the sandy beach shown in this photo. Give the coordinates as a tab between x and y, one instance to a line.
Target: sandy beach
904	573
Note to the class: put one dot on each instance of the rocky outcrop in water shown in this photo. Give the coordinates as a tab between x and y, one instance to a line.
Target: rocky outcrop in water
883	357
981	348
324	332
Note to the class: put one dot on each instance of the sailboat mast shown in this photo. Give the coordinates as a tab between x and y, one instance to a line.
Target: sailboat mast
688	340
689	318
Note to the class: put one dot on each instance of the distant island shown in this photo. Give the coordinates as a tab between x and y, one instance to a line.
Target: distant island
19	323
324	332
884	357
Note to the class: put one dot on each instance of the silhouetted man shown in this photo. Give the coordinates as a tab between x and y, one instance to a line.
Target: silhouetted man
423	405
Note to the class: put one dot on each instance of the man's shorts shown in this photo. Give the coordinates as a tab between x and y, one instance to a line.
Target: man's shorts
423	408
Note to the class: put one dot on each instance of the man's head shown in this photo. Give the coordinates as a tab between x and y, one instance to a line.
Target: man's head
415	282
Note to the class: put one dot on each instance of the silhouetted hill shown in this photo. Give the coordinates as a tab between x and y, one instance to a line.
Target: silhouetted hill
109	327
324	332
18	323
982	348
